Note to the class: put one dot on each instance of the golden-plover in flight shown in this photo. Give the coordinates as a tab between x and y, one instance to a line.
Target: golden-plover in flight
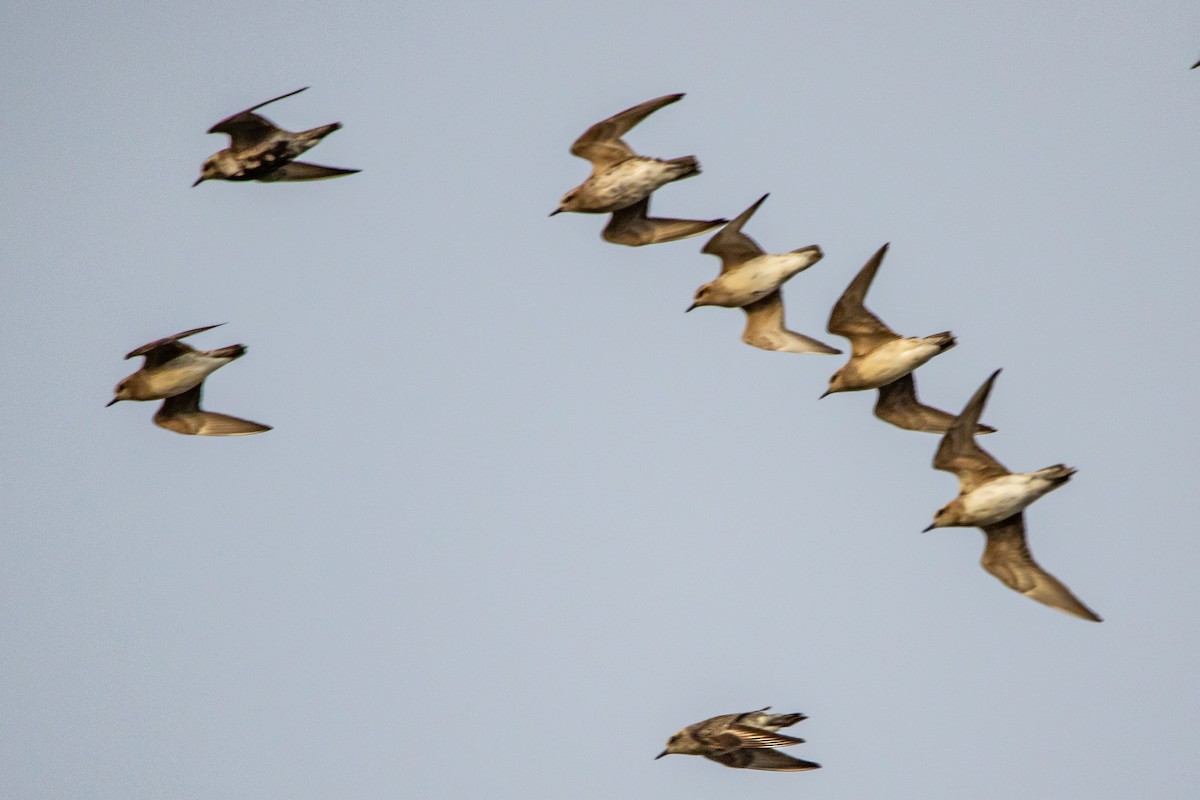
882	359
174	373
742	740
748	273
261	151
994	499
622	181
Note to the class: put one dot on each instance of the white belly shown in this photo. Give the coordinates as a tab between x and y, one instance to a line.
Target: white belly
758	277
893	360
999	499
628	182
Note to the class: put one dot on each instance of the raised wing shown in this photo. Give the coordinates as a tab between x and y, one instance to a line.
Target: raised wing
958	452
163	350
765	328
1007	557
850	318
771	760
731	245
632	226
301	171
899	406
602	145
247	129
182	414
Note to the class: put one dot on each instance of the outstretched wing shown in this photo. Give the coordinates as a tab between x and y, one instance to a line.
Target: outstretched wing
163	350
850	317
302	171
958	452
602	145
771	760
631	226
247	129
1007	557
766	329
182	414
731	245
898	405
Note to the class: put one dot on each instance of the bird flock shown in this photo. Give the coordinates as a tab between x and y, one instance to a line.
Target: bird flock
621	184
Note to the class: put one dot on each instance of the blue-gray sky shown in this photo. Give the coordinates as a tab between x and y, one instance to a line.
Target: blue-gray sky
521	518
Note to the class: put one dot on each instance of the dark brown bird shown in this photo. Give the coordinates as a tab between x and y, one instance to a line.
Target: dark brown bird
259	150
742	740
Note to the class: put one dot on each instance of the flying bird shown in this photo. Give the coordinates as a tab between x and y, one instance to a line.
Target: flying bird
882	359
994	499
745	264
174	373
742	740
620	177
261	151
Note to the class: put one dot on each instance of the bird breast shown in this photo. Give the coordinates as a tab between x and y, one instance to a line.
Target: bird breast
627	183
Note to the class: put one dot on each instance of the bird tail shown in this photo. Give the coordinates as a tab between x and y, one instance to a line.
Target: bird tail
685	167
318	133
944	340
1057	475
231	352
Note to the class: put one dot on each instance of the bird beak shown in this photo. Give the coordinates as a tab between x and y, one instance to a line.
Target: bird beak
556	211
110	402
827	393
689	308
660	755
931	527
199	181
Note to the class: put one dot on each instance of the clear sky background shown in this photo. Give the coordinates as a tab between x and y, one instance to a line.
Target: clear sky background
521	518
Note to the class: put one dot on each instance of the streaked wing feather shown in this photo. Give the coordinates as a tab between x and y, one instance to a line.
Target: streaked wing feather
749	736
1007	556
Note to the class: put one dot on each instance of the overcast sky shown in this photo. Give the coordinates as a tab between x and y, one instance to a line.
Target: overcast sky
521	518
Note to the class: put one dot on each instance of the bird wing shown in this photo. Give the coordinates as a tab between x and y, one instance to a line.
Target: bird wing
182	414
731	245
850	318
302	171
750	736
247	129
771	760
766	329
898	405
632	226
602	145
163	350
958	452
1007	557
